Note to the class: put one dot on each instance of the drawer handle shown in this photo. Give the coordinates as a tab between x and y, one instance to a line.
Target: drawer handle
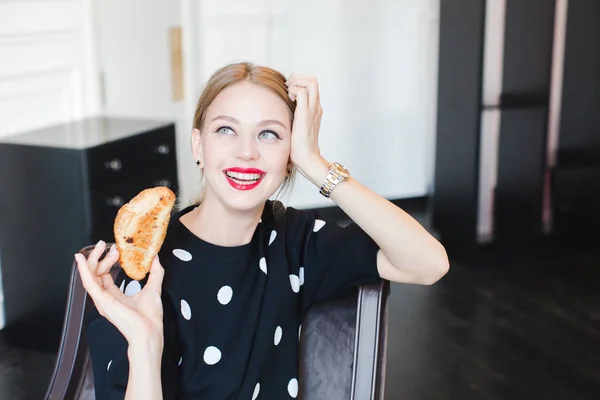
114	165
116	201
163	182
163	149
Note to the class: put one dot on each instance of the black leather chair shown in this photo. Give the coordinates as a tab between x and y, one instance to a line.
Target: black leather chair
343	346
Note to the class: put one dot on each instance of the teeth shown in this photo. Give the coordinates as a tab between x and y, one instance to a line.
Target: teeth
243	177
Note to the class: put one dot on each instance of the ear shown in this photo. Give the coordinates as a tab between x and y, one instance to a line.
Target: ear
196	144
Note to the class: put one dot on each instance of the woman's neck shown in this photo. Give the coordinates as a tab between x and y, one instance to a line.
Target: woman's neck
216	224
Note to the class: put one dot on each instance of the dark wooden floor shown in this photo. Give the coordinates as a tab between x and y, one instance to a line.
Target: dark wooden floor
526	332
518	330
24	373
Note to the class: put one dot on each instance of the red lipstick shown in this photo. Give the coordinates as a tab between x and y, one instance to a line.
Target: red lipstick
246	170
241	184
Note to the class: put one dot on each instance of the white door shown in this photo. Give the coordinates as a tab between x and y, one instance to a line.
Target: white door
135	57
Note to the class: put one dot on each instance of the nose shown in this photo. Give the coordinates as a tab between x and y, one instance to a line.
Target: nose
247	148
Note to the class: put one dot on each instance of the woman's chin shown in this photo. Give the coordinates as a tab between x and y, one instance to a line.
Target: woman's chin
246	200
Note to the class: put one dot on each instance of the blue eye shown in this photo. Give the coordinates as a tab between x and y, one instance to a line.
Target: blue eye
225	130
269	135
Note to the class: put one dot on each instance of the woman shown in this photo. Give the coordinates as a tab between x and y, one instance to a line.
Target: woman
240	270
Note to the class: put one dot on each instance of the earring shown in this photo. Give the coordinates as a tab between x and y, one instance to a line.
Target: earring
199	163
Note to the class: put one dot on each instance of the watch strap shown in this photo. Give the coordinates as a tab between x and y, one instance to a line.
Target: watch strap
331	181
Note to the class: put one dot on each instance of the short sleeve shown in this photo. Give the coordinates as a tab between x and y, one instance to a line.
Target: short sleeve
334	259
108	351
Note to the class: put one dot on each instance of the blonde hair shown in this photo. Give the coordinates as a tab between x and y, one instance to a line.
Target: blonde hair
239	72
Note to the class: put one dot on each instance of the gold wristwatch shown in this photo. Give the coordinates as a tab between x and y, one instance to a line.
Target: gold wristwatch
337	173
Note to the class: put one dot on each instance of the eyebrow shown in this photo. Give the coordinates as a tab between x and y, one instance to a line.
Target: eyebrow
260	123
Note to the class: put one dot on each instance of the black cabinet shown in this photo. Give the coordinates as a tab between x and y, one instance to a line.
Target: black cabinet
60	189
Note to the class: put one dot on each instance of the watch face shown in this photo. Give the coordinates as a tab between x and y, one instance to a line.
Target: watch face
340	169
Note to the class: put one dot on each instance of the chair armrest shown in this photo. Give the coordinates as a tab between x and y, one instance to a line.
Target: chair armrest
70	367
69	361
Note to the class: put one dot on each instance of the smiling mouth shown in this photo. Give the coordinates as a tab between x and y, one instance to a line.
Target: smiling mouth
243	181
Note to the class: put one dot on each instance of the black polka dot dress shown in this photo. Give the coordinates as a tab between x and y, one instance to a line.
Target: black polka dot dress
233	315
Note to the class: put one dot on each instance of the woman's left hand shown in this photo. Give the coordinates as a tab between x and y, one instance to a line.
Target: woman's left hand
307	121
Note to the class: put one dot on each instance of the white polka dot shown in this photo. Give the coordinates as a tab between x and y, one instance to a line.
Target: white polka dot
183	255
212	355
278	334
109	364
225	294
295	281
132	288
293	388
122	287
186	311
318	225
299	331
273	236
263	265
180	360
301	276
256	391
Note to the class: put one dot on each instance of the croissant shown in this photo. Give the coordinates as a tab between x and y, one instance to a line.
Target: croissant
140	228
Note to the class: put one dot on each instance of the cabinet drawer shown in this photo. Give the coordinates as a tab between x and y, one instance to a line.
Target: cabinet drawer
107	202
128	159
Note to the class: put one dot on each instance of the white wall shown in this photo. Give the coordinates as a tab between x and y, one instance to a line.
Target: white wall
376	63
47	64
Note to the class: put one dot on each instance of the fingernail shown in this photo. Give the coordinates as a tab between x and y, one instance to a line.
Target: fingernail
113	250
78	256
99	243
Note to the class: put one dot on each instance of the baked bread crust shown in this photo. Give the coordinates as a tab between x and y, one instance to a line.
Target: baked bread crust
140	229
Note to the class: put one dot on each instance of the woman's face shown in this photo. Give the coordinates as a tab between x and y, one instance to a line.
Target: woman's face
244	146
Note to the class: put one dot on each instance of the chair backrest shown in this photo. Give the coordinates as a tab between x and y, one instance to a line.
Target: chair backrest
342	348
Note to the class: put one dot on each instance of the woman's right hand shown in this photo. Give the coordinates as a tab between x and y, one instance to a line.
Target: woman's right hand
139	317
